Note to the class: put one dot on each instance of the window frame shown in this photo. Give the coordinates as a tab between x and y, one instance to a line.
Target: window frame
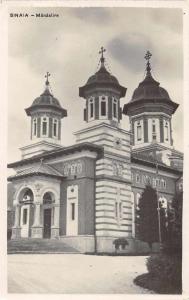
91	100
104	99
25	216
139	134
55	121
34	126
47	126
114	102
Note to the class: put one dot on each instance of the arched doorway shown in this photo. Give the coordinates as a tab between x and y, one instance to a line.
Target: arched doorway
48	200
26	199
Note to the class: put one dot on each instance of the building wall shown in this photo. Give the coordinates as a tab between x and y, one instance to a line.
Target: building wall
85	182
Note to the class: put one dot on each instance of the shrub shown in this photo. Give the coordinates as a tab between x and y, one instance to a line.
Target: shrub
120	242
167	268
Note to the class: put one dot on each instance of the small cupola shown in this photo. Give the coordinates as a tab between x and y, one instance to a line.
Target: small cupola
46	114
150	111
102	92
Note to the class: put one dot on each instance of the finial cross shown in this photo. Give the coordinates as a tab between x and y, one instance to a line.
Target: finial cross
47	76
148	56
102	51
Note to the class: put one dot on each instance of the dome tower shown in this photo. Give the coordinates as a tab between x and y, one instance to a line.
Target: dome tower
150	111
102	93
46	114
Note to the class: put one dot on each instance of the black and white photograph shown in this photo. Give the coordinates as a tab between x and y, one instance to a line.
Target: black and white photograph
95	149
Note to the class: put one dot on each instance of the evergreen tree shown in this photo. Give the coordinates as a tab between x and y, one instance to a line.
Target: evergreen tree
173	244
147	217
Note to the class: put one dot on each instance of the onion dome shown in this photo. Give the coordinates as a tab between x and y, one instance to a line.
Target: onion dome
102	78
46	101
150	92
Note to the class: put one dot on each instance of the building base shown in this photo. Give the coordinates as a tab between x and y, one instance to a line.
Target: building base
37	232
54	233
105	244
82	243
16	233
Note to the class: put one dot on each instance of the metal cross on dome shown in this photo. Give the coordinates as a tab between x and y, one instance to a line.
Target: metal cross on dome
47	76
102	52
148	56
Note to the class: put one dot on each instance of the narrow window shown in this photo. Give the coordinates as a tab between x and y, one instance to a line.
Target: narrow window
25	216
35	127
91	109
116	210
103	108
153	128
44	126
139	132
166	132
73	211
120	210
55	127
114	108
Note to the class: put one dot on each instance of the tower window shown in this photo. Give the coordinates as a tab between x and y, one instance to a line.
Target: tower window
35	127
44	126
91	108
139	132
103	106
115	108
166	132
55	128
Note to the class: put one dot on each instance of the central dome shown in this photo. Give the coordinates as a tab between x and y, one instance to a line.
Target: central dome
102	79
102	75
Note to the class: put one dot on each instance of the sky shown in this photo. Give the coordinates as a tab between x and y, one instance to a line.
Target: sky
68	47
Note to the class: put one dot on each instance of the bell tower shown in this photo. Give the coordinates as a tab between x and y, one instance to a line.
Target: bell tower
150	111
46	114
102	114
102	94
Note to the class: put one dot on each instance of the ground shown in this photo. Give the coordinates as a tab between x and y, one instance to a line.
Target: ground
74	273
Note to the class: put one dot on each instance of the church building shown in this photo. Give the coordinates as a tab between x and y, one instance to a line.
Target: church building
87	194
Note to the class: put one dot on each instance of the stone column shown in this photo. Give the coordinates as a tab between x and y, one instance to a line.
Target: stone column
56	226
37	228
16	229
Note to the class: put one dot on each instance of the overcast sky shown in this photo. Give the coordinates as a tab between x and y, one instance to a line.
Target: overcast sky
68	48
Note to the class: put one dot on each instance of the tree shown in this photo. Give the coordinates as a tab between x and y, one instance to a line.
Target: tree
147	217
173	244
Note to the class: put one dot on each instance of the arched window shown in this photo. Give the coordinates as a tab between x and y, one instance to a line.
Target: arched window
166	131
44	126
55	128
47	198
115	108
35	127
27	196
103	106
139	131
91	108
153	130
